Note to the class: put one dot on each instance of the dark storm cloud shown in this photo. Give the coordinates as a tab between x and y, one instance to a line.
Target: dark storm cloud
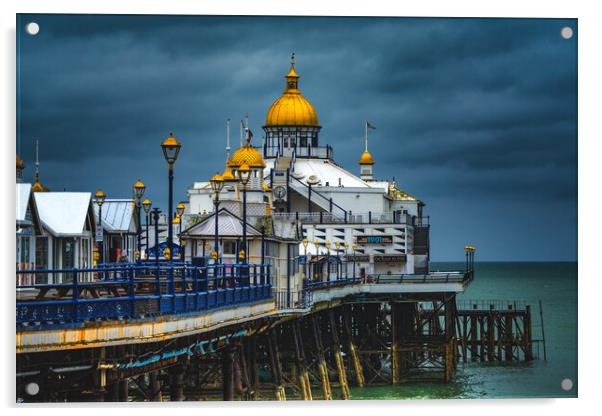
469	112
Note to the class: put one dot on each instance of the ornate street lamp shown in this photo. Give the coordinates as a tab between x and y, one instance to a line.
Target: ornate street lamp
327	245
217	184
305	243
138	191
337	246
156	212
147	205
180	212
100	198
346	246
171	150
354	247
244	174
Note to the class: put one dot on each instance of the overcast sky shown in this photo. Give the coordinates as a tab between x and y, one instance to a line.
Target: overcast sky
476	117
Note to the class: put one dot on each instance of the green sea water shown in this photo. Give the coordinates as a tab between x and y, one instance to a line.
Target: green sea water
555	284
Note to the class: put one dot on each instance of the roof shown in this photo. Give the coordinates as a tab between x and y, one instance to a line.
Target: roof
229	225
23	192
117	215
63	214
326	171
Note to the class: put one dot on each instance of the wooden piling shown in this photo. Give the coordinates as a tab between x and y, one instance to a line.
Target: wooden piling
322	368
490	334
228	373
279	392
395	335
528	342
353	352
336	348
302	373
155	386
509	335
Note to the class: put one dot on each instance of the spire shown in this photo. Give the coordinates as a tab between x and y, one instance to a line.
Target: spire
37	161
37	186
292	78
228	139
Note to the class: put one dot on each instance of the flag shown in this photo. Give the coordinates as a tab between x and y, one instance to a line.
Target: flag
370	126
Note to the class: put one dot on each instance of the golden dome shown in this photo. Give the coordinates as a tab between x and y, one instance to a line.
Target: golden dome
246	154
366	159
227	176
38	187
292	108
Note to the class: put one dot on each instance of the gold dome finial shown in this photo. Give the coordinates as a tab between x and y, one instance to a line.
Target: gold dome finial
366	158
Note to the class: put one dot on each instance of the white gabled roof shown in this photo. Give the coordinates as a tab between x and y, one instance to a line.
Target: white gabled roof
228	225
63	214
117	214
23	192
324	170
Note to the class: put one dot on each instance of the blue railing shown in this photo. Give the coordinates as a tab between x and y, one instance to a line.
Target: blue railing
135	291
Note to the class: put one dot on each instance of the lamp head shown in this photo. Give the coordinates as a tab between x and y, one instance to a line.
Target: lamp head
171	149
244	174
100	198
146	205
138	190
217	183
180	209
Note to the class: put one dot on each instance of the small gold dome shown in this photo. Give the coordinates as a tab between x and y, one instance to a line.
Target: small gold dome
292	108
38	187
246	154
227	176
20	163
366	159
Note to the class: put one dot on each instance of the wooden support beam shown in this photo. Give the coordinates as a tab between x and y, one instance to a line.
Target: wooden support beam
176	383
336	348
396	324
303	374
353	352
276	365
528	342
491	334
322	368
509	336
228	373
155	386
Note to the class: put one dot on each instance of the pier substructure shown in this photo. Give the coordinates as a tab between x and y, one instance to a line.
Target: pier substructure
314	354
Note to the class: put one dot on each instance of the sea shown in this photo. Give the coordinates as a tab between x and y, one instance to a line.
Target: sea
552	283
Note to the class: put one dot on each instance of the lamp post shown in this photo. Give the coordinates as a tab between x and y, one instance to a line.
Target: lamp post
146	205
327	244
346	246
217	184
171	149
138	190
337	246
244	174
180	212
354	247
156	212
100	199
305	243
317	246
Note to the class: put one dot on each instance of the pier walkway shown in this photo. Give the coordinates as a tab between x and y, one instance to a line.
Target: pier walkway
146	302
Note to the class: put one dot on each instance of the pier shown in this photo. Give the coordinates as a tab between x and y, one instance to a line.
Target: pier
182	332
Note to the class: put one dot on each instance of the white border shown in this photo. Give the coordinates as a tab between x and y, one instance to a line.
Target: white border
590	70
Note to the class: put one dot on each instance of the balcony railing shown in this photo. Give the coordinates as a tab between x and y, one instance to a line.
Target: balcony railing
352	218
135	291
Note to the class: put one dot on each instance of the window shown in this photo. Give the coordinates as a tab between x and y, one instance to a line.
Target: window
229	247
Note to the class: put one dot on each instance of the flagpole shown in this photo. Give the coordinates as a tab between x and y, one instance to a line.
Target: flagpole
227	139
366	136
